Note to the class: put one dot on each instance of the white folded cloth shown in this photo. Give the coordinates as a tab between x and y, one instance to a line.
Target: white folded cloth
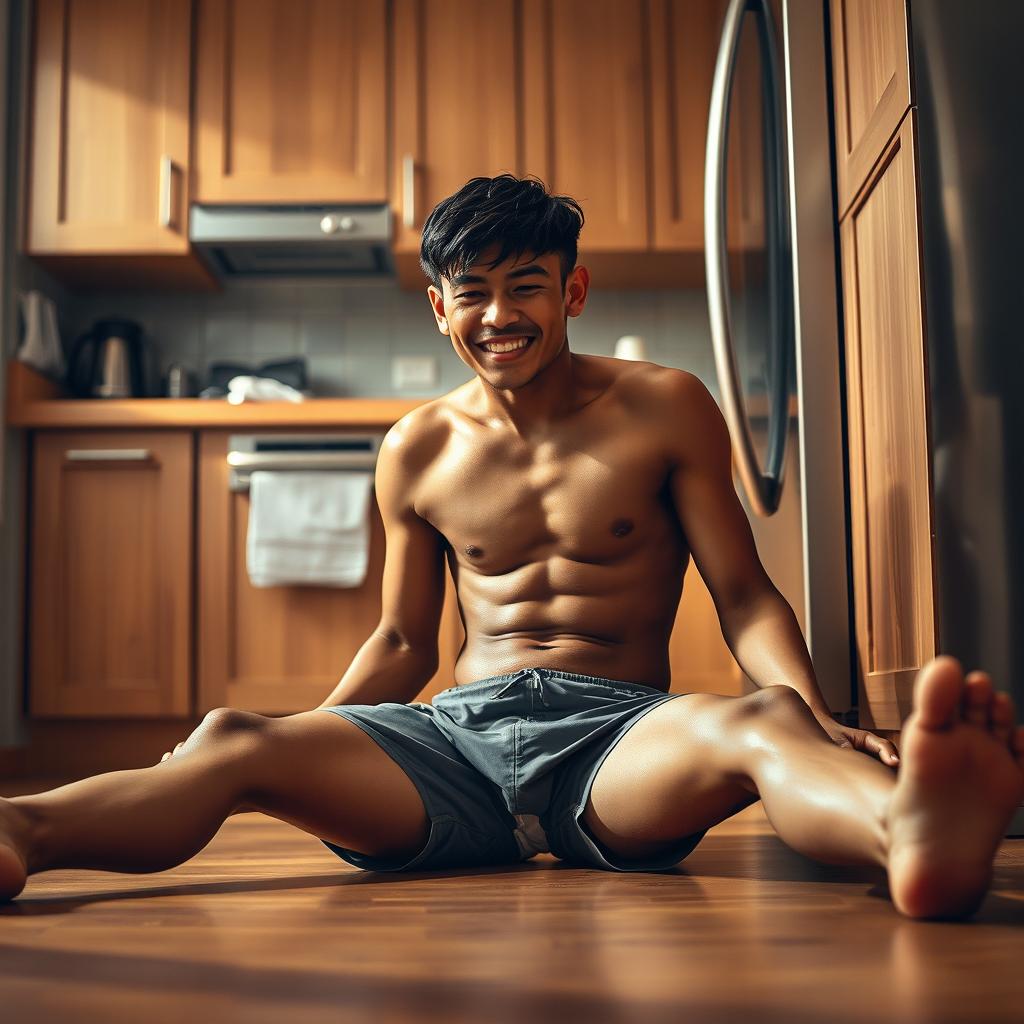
261	389
308	528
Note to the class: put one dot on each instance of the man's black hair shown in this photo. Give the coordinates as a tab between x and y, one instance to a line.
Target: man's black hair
518	215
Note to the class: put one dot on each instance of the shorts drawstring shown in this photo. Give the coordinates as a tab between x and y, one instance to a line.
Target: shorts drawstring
536	684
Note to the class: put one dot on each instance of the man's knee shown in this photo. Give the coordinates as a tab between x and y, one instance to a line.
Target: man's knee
775	703
227	723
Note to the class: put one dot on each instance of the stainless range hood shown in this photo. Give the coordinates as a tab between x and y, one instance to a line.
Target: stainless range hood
293	241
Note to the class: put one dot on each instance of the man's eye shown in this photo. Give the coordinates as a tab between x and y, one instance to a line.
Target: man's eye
528	288
468	295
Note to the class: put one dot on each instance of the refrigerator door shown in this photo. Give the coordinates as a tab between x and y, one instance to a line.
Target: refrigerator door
968	80
771	267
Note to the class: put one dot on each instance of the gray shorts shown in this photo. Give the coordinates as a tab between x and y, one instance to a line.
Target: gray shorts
505	765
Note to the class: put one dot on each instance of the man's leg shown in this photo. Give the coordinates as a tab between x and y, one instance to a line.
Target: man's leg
315	770
693	762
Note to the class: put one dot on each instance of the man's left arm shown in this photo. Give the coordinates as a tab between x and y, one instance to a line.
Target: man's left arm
757	622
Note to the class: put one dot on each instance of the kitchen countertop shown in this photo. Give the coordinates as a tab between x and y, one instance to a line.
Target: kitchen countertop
35	402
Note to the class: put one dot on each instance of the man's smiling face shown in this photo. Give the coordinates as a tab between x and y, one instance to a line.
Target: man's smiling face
507	322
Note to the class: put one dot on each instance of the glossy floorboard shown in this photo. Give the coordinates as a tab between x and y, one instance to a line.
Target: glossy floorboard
267	925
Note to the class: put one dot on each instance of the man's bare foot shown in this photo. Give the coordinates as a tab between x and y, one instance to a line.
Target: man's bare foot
961	778
12	861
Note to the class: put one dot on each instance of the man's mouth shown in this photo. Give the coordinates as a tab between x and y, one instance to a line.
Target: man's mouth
501	345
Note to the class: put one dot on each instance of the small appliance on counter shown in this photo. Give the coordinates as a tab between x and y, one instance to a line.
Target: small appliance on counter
178	382
106	361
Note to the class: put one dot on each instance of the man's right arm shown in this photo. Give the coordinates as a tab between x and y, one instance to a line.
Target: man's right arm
400	656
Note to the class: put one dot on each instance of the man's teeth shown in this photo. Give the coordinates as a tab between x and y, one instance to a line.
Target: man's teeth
505	346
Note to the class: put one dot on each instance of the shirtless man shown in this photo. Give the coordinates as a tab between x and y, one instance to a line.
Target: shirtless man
567	493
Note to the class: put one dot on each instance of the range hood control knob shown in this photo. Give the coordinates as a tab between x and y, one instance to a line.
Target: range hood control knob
331	225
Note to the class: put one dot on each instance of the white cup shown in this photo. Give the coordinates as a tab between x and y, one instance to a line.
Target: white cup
630	346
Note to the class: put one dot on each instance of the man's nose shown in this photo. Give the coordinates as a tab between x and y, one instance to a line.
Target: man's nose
500	312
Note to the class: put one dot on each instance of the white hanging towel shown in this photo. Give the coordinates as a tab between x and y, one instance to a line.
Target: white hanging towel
308	528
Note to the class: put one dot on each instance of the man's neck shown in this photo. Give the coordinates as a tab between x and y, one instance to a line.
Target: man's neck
529	410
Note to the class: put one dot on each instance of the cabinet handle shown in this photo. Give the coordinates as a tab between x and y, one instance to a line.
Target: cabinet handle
166	191
409	191
108	455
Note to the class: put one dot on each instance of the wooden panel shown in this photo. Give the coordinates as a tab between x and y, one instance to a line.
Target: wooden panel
456	118
584	68
111	100
277	650
889	465
684	41
700	659
290	101
871	75
111	577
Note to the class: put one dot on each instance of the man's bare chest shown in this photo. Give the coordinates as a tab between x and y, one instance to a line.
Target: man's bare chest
501	507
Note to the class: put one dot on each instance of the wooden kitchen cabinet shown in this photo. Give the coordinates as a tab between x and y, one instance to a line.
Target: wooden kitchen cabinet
280	650
452	119
871	76
110	574
291	101
110	167
890	485
684	42
584	97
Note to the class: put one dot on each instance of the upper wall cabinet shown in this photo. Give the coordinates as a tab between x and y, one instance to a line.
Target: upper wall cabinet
291	101
871	70
110	138
583	74
683	40
453	119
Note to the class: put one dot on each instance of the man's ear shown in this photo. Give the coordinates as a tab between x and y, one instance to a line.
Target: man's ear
577	287
437	305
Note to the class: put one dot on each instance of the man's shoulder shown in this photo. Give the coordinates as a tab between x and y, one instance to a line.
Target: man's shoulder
662	390
418	437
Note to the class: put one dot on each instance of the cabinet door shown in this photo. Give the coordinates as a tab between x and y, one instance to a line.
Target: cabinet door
684	40
699	657
110	140
279	650
456	106
888	436
290	101
110	576
871	74
584	101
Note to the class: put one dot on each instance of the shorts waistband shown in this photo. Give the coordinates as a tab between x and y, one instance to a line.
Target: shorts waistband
545	674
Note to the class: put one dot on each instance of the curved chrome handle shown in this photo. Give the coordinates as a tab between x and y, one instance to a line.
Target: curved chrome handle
763	490
409	191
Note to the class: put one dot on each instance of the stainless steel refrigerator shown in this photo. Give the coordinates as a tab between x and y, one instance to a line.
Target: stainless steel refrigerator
771	256
774	306
968	78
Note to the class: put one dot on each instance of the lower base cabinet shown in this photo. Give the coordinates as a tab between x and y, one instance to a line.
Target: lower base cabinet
110	574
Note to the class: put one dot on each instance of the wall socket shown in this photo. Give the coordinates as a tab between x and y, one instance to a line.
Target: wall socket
414	372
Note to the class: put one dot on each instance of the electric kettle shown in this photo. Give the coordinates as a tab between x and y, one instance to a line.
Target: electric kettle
106	361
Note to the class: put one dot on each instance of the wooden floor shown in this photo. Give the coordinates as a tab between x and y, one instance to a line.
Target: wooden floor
266	924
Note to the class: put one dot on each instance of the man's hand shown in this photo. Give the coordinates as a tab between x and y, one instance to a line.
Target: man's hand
860	739
170	753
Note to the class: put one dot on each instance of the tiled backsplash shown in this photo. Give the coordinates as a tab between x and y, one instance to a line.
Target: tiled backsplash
350	333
